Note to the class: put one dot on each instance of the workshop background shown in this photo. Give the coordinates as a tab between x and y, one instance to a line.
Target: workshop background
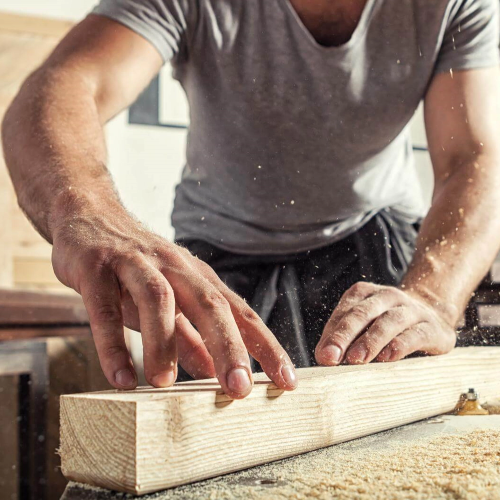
146	155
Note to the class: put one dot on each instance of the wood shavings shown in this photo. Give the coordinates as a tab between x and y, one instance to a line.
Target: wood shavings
447	467
443	458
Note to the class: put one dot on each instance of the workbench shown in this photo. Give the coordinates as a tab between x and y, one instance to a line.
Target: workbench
274	480
27	320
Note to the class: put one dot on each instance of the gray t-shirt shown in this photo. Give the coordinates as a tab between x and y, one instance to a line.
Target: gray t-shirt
293	145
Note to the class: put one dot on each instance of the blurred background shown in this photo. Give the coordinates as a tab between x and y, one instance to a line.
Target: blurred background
46	347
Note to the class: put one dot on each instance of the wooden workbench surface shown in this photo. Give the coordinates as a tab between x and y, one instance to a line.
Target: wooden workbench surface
23	308
344	471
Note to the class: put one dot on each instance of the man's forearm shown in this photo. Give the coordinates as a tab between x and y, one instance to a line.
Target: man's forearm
459	238
54	148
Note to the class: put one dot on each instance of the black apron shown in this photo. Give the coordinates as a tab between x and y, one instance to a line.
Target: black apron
295	294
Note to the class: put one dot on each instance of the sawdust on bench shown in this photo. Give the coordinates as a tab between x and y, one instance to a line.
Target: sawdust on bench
446	467
443	467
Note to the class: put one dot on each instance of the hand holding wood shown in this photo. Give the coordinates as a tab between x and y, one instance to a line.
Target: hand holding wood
382	323
130	276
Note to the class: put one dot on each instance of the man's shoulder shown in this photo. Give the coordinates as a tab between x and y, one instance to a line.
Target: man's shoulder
454	6
445	12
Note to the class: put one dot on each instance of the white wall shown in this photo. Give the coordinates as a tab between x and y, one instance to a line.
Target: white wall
146	164
423	160
61	9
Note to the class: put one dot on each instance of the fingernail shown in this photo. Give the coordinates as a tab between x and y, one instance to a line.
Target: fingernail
239	381
125	378
357	354
288	374
332	353
165	379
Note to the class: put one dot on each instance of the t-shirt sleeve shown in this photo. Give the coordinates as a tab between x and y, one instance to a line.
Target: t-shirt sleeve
471	38
164	23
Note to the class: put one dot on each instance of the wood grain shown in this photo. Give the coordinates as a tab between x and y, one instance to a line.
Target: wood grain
151	439
21	308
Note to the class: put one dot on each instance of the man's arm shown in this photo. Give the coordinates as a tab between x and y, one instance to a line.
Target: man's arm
53	132
457	243
55	151
460	236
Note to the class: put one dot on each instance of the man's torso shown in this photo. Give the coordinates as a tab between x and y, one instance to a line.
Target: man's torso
293	144
314	138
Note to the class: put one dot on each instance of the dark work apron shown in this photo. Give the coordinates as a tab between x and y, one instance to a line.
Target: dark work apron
295	294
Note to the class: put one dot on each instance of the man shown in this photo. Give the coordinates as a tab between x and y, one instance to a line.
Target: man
299	189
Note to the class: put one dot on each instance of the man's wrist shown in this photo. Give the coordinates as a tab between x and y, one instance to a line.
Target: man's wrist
448	311
72	203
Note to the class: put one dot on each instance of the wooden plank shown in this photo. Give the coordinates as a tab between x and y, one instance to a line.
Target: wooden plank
22	308
331	472
34	24
151	439
44	332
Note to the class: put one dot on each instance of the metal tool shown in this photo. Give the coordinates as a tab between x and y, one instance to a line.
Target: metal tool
469	404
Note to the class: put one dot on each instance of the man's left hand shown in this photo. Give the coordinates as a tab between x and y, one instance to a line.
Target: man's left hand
383	323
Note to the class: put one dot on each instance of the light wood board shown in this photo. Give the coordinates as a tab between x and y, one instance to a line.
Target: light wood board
341	471
151	439
34	24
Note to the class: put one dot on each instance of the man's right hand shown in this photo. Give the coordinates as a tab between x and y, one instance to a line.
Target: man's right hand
54	147
129	276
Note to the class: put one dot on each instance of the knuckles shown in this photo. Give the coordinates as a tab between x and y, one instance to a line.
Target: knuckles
112	351
396	315
341	337
250	316
106	313
359	313
361	288
158	291
212	300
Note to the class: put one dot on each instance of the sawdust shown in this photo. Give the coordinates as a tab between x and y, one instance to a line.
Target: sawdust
446	467
393	465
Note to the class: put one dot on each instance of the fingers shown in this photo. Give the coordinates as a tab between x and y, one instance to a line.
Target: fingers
102	302
130	312
383	330
419	338
354	295
258	339
206	307
193	355
155	301
363	303
263	346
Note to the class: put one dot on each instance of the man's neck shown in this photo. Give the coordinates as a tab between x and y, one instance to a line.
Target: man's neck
330	22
